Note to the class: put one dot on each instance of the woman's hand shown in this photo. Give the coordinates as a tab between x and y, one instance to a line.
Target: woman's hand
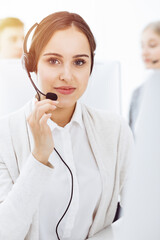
42	135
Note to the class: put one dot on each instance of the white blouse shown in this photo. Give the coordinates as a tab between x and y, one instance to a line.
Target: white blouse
72	144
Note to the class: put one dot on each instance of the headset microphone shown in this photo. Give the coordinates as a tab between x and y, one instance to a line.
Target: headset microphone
49	95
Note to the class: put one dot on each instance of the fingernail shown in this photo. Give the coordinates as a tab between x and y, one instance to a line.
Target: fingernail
55	102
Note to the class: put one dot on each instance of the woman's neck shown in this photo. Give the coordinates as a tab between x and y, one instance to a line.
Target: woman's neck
62	116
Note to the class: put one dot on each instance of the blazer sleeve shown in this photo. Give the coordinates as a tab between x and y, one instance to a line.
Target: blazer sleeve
19	201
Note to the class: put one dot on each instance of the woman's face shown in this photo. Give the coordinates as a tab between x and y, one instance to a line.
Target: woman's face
151	49
64	66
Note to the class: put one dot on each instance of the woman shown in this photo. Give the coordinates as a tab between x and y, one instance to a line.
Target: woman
150	42
38	139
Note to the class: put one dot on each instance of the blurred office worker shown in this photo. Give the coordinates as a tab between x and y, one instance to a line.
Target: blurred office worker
150	44
11	38
142	209
11	50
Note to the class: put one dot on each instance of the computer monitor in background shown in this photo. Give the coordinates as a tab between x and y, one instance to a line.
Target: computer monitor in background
104	88
15	86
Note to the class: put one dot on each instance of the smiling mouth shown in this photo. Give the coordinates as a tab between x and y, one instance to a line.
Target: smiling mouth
65	90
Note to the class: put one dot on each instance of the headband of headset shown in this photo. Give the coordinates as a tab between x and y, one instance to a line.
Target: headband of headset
28	60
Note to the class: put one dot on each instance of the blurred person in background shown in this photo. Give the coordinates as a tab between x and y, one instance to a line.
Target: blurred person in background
11	50
150	43
11	38
142	208
141	211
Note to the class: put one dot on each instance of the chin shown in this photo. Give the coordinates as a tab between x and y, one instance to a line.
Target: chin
66	104
149	66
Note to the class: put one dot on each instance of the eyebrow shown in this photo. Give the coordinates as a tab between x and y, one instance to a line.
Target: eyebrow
152	39
58	55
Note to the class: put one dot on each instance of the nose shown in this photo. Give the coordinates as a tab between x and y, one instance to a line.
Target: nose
66	73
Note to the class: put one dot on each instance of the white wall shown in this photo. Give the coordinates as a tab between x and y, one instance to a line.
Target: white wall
116	24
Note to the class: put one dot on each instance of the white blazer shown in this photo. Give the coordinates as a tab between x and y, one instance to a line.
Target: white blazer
22	180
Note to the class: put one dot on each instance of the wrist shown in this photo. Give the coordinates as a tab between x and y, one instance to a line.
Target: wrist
40	157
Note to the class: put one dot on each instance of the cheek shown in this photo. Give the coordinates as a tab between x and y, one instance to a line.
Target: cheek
84	81
43	80
45	75
158	52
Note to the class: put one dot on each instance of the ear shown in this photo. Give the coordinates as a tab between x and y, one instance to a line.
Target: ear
28	62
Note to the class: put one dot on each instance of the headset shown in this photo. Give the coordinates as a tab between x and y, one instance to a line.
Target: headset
30	65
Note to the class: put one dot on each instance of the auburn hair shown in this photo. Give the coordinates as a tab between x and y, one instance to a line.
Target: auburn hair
59	21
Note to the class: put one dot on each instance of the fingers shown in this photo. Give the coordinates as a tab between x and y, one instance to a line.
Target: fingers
44	119
41	132
39	103
43	107
41	110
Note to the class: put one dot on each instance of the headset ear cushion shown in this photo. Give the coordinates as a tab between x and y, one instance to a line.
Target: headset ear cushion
28	62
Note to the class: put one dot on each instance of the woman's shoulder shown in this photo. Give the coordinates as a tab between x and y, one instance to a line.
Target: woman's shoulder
102	115
106	124
15	119
109	128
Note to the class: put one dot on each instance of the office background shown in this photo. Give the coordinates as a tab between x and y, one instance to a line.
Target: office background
116	24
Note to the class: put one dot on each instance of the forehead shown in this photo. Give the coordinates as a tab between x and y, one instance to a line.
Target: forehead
13	31
68	40
149	35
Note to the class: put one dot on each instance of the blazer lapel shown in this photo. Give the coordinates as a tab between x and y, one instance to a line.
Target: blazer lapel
90	129
98	131
19	134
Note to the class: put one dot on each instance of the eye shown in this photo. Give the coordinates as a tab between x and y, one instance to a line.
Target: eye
13	39
79	62
153	45
53	61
